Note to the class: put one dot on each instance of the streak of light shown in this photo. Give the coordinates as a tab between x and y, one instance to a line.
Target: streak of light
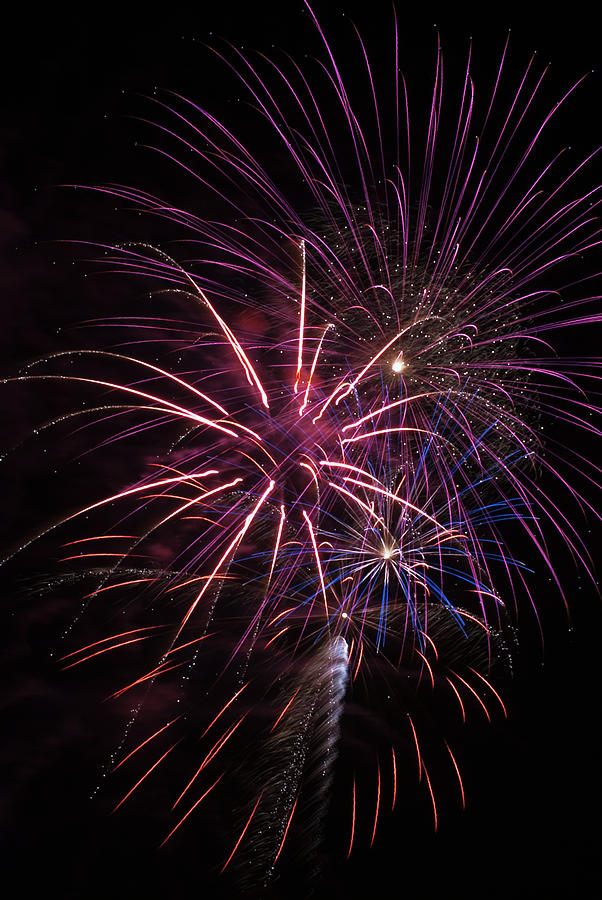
301	318
419	757
286	708
453	759
239	536
377	803
192	808
146	774
145	742
224	708
352	822
288	825
318	563
243	832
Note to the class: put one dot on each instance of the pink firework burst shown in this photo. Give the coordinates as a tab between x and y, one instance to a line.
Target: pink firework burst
354	440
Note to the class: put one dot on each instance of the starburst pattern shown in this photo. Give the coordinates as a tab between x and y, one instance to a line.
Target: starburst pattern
354	426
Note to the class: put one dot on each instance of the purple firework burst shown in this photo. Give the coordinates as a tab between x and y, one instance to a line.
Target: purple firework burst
355	458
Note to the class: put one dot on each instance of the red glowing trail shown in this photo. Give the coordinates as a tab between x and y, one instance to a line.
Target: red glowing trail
224	708
343	496
146	774
285	710
225	555
491	688
352	821
377	804
474	693
318	563
145	742
432	796
192	808
288	825
244	831
419	757
457	770
223	739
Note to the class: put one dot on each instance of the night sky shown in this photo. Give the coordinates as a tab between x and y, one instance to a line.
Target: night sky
73	99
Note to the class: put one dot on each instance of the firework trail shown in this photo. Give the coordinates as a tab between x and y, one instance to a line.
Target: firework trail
341	471
296	767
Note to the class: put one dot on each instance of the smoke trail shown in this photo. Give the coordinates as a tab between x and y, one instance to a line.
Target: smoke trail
296	770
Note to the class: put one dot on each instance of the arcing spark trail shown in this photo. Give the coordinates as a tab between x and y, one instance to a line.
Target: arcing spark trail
353	422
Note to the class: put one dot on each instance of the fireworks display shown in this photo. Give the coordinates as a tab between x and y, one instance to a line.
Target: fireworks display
354	438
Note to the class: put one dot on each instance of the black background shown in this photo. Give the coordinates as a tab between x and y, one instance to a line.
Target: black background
71	91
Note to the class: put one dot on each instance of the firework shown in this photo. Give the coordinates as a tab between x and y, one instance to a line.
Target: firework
352	430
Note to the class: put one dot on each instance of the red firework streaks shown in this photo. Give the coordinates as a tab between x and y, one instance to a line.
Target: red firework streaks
337	482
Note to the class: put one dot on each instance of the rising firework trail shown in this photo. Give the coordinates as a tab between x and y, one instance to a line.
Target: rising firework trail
353	475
